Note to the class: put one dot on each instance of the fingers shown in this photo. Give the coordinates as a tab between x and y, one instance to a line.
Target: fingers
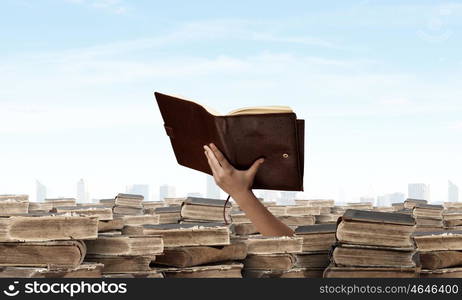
212	160
220	157
252	171
209	162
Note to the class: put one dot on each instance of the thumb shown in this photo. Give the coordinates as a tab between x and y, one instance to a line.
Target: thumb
252	171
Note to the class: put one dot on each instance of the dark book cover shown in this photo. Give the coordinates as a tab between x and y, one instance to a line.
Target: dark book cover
317	228
378	217
277	137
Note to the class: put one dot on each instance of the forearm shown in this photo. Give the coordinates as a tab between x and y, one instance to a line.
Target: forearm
265	222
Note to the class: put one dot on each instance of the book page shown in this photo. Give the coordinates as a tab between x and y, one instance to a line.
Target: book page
261	110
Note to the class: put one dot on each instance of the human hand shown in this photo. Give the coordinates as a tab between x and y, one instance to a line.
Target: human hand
232	181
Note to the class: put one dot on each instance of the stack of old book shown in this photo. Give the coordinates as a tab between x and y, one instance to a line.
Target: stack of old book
13	204
440	253
273	257
149	206
46	245
125	255
296	215
198	247
128	204
374	244
194	250
452	215
128	209
169	212
326	214
204	210
411	203
429	218
318	241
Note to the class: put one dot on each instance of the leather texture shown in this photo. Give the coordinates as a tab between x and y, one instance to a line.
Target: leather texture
279	138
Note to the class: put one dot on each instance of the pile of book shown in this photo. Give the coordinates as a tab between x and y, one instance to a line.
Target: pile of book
197	242
14	204
440	253
374	244
198	238
317	243
428	217
42	244
123	255
326	214
296	215
452	215
273	257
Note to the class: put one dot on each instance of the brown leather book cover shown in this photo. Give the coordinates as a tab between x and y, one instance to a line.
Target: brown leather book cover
278	137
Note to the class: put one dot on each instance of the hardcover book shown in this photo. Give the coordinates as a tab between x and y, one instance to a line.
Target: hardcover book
243	136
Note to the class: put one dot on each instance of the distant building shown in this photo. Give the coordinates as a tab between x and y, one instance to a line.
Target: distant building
166	191
41	191
453	192
419	191
83	196
212	190
139	189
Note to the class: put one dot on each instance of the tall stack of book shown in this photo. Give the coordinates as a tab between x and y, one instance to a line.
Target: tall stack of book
199	246
374	244
204	210
318	241
296	215
428	217
125	255
440	253
273	257
325	210
197	250
411	203
452	215
46	245
128	204
13	204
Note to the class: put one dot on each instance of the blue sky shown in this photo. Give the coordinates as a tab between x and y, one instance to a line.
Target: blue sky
377	81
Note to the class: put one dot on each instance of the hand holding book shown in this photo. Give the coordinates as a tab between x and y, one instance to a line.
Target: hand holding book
232	181
238	185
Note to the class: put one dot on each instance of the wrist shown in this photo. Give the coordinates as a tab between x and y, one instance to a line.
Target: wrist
244	198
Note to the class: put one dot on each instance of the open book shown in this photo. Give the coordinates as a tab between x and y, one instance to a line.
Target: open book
243	135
